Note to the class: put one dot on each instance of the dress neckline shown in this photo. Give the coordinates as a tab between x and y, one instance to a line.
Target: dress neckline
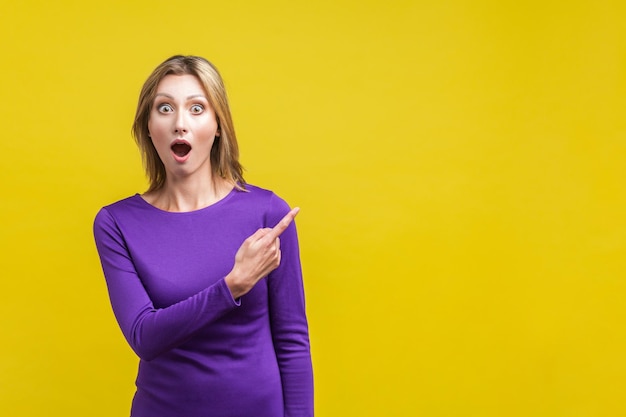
215	204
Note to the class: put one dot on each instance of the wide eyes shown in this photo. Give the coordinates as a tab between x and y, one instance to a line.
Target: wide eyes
196	109
166	108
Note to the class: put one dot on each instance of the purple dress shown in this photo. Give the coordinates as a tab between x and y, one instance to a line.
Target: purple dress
202	353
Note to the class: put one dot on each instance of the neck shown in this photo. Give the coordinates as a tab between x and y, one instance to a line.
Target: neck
181	195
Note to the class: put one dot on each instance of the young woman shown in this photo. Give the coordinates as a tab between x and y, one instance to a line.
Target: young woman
203	270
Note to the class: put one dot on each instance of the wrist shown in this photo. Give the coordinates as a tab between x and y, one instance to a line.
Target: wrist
234	284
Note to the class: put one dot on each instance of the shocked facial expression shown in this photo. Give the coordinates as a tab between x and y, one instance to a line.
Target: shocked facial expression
183	126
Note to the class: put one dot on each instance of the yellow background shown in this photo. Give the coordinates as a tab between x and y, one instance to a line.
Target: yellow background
460	167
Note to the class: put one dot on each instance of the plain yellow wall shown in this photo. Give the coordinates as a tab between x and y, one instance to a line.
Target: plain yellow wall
460	167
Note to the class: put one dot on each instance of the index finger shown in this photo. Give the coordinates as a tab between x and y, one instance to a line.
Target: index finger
283	224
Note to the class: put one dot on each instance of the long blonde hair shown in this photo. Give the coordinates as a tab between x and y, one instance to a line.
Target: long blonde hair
225	151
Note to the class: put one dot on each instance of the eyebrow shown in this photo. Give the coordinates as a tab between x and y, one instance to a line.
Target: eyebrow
188	97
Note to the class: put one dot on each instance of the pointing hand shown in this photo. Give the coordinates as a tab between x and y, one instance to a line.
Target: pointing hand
257	256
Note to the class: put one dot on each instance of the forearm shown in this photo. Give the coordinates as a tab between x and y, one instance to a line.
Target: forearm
297	379
152	332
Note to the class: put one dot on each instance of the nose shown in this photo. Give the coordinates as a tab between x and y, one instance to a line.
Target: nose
180	124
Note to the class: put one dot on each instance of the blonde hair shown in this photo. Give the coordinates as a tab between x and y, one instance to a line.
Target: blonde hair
225	151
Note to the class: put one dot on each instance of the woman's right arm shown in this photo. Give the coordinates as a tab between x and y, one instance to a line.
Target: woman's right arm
150	331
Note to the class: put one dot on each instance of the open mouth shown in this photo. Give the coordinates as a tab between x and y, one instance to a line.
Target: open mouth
181	149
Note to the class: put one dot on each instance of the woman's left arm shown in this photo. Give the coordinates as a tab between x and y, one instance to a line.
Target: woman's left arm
288	320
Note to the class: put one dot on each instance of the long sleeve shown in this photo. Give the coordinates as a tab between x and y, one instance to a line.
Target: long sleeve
202	353
288	321
151	331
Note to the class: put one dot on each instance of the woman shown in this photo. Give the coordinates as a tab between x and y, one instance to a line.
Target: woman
205	291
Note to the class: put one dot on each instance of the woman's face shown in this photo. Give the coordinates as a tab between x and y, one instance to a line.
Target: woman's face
182	126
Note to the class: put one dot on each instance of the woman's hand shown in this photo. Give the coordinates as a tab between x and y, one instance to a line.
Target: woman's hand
257	256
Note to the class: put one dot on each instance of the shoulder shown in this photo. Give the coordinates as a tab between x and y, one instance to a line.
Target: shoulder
273	206
129	206
261	195
128	203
